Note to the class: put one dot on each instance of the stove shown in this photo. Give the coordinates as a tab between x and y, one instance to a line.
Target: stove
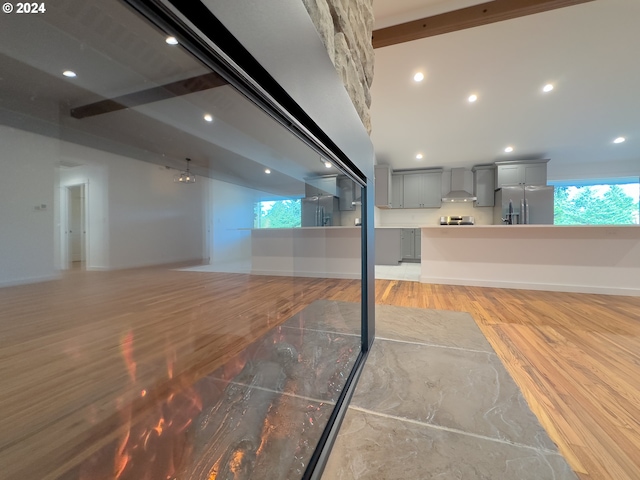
457	220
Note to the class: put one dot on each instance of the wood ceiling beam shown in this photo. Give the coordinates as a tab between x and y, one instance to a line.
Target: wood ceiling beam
154	94
474	16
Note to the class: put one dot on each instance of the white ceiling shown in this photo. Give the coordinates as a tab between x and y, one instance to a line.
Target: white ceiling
115	52
589	52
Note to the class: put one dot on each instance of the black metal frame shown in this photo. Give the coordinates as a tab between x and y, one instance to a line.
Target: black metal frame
234	63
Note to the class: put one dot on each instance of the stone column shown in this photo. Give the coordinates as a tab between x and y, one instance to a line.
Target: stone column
345	27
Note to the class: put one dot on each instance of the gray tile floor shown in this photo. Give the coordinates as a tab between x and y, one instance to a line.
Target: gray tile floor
434	401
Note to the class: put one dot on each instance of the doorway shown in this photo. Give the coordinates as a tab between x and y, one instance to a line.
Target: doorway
76	227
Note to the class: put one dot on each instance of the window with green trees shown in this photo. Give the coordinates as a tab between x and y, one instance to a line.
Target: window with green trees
602	204
277	214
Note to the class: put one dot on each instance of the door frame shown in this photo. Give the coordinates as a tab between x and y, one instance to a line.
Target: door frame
65	243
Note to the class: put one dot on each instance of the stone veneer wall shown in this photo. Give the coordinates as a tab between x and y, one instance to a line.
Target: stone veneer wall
345	27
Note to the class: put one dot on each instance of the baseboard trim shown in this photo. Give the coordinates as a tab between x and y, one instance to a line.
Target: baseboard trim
549	287
27	280
285	273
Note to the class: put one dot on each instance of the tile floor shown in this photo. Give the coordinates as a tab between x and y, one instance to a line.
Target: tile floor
434	401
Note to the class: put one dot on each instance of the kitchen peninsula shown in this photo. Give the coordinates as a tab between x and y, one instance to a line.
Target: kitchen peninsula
583	258
325	252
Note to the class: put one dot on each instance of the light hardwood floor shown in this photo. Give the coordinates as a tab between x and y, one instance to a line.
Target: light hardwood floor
79	354
73	352
576	358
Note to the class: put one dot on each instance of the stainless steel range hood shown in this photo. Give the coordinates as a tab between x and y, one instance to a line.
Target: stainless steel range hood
458	193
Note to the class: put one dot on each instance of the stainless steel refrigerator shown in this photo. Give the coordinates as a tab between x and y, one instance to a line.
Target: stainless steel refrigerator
320	211
524	204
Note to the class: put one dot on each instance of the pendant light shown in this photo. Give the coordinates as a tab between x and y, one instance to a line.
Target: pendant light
186	176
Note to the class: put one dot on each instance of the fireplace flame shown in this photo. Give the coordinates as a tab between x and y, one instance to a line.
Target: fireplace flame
126	347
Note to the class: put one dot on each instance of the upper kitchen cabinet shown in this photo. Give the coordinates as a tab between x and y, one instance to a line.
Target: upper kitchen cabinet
422	189
519	172
484	181
322	185
383	186
397	191
346	193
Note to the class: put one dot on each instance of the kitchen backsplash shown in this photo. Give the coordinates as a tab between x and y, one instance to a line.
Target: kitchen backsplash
348	218
431	216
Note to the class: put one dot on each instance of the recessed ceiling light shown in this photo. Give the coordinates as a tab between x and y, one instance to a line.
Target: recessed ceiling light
208	118
508	149
267	171
419	156
327	164
547	88
171	40
473	98
69	73
418	77
619	140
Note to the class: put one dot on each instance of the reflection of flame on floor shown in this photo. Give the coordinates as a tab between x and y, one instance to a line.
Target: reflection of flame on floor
165	433
154	438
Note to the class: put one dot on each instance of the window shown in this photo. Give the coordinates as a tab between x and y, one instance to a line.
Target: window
601	202
278	214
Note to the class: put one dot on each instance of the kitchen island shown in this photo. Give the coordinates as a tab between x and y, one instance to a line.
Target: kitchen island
325	252
586	259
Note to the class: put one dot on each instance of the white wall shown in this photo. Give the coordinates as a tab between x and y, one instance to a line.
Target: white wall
136	214
27	181
630	168
230	222
152	220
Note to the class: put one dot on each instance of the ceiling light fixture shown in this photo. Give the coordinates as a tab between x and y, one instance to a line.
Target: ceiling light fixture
185	176
171	40
547	88
619	140
418	77
267	171
419	156
473	98
208	118
327	164
508	149
69	73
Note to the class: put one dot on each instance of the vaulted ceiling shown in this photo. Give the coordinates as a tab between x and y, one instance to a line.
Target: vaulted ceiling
587	52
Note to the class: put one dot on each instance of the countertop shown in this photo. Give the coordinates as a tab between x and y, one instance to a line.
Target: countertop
432	227
336	227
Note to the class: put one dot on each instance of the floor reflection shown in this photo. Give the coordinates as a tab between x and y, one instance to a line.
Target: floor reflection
258	416
120	376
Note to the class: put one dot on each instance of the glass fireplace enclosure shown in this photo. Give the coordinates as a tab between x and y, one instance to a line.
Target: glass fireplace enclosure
182	285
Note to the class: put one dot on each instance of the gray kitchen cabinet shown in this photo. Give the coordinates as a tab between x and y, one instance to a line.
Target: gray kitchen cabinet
388	246
346	193
323	185
382	186
530	172
411	246
397	191
484	185
422	190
